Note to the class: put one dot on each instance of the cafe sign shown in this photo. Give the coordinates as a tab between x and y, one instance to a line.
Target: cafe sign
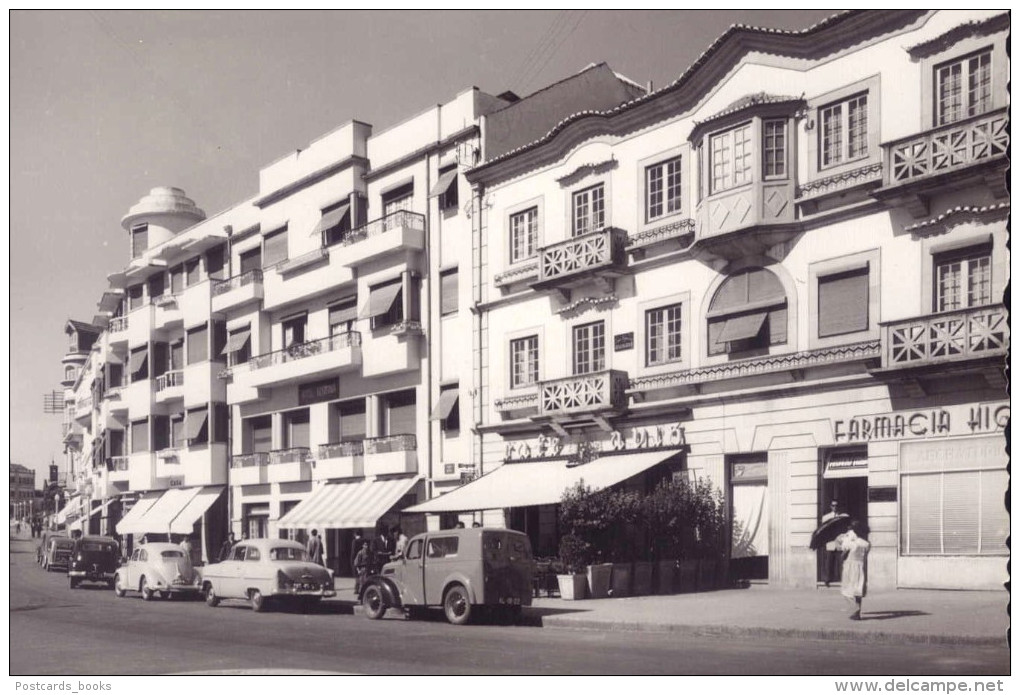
319	391
923	424
637	439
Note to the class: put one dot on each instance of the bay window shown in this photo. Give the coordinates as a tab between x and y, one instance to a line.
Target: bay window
730	157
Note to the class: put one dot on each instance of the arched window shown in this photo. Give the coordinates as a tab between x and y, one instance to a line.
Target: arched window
69	373
748	312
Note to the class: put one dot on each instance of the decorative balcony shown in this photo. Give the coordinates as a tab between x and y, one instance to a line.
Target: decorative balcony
170	386
322	357
397	232
594	257
339	460
584	396
237	290
746	220
290	465
118	466
952	336
167	312
249	469
118	330
395	453
942	158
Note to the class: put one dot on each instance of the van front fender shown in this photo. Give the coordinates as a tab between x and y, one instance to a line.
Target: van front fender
389	590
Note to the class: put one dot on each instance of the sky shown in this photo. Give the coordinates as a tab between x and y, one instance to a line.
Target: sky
107	105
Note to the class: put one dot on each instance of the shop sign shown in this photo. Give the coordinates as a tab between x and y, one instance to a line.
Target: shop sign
175	481
546	446
758	470
623	341
468	472
882	494
319	391
939	422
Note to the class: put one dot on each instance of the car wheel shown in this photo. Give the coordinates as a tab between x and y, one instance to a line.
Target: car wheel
374	602
258	601
211	599
143	587
118	589
456	605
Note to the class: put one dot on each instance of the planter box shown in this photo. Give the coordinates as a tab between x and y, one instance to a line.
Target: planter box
642	585
706	575
622	573
688	576
667	577
572	586
599	578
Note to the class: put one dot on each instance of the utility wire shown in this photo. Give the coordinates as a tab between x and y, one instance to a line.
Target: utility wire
556	47
529	62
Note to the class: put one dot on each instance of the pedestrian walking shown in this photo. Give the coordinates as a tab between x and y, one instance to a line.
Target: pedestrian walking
833	555
855	548
186	547
226	547
362	559
359	538
315	548
17	527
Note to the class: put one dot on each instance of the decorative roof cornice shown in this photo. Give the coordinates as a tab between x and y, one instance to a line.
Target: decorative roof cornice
593	302
954	215
673	230
749	101
976	27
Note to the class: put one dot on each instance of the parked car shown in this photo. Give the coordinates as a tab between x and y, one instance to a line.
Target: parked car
93	559
459	570
162	568
56	552
264	570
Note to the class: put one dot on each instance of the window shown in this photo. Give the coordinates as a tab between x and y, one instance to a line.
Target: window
138	364
139	436
662	189
395	201
963	88
294	330
238	347
295	429
139	240
730	156
72	341
335	224
177	437
161	434
69	373
352	420
748	312
385	304
523	235
115	374
774	149
963	279
399	413
413	550
590	348
259	431
177	279
446	188
448	291
177	355
589	210
844	131
198	344
523	361
843	303
215	258
343	316
446	546
192	272
447	410
157	284
136	294
221	422
196	426
274	248
663	335
250	260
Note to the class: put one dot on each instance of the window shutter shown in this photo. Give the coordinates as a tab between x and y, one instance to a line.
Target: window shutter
160	359
139	436
139	240
160	432
352	421
261	434
994	519
251	260
298	432
922	501
843	303
198	344
156	285
221	422
191	269
214	260
777	326
274	248
401	419
219	338
960	523
448	291
177	279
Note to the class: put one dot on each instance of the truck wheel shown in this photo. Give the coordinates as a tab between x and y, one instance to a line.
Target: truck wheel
374	602
456	605
258	601
211	599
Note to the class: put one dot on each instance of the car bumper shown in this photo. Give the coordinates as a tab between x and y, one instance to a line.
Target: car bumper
320	593
180	589
94	576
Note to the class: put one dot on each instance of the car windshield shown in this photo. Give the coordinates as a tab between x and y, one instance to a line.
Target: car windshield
92	546
172	555
288	554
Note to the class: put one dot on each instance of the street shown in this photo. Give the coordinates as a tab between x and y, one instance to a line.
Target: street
88	631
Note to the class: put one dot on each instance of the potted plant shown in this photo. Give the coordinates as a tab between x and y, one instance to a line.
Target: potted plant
623	541
575	554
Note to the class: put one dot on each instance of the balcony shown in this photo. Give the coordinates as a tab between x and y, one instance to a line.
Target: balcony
249	469
747	220
199	464
118	467
944	158
170	386
290	465
391	454
323	357
167	312
594	257
949	337
118	330
299	279
71	432
585	396
399	232
83	407
236	291
340	460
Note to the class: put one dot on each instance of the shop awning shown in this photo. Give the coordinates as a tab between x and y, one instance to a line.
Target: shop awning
742	327
236	341
447	399
331	219
71	510
193	510
443	184
348	505
128	524
159	516
540	482
380	300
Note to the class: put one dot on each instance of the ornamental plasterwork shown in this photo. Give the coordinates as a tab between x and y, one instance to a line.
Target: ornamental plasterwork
673	230
954	217
516	274
585	303
849	179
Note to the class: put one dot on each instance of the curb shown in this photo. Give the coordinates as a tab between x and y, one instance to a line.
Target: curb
789	633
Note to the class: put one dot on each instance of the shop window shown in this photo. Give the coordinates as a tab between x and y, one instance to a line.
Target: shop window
589	348
843	303
523	361
963	87
748	313
963	279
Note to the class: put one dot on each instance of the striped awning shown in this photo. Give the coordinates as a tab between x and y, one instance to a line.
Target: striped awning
134	516
160	515
348	505
193	510
70	511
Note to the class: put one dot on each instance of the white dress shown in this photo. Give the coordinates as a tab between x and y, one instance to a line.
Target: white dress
854	582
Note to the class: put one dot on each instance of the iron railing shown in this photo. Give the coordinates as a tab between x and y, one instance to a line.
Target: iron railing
953	335
118	324
260	458
232	283
170	380
394	220
295	454
391	443
302	350
118	463
338	449
948	148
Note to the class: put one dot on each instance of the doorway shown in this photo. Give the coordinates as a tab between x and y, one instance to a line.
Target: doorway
851	494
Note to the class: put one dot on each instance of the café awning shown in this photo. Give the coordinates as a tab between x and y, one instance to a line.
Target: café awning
184	522
348	505
158	517
128	524
540	482
71	510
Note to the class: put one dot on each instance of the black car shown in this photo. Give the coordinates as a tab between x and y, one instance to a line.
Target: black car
94	559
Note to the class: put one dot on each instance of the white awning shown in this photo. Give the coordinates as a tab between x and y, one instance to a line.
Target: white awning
193	510
128	524
160	515
846	465
540	482
348	505
72	510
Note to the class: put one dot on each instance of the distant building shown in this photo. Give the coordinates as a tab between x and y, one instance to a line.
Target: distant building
22	491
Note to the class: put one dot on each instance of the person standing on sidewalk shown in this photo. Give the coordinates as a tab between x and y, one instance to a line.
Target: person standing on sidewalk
315	548
833	555
854	586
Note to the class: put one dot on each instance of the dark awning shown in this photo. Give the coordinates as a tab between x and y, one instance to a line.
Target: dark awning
447	399
380	300
331	219
193	425
443	184
236	341
340	313
137	360
741	327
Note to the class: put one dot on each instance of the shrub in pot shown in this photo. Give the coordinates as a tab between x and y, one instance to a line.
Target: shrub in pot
576	555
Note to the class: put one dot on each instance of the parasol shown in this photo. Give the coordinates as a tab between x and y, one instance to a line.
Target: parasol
828	530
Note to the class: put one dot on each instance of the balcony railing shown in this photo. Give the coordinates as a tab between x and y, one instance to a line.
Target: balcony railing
84	403
949	148
393	442
583	394
394	220
260	458
165	301
118	463
249	278
118	324
302	350
950	336
170	380
67	428
339	449
295	454
582	254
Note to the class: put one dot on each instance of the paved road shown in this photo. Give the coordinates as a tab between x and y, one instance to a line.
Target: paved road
88	631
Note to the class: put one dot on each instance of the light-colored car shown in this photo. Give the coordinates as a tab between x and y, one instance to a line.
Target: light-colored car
162	568
56	553
264	570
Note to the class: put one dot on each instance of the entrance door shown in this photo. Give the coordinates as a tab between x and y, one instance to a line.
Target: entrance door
749	506
851	494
